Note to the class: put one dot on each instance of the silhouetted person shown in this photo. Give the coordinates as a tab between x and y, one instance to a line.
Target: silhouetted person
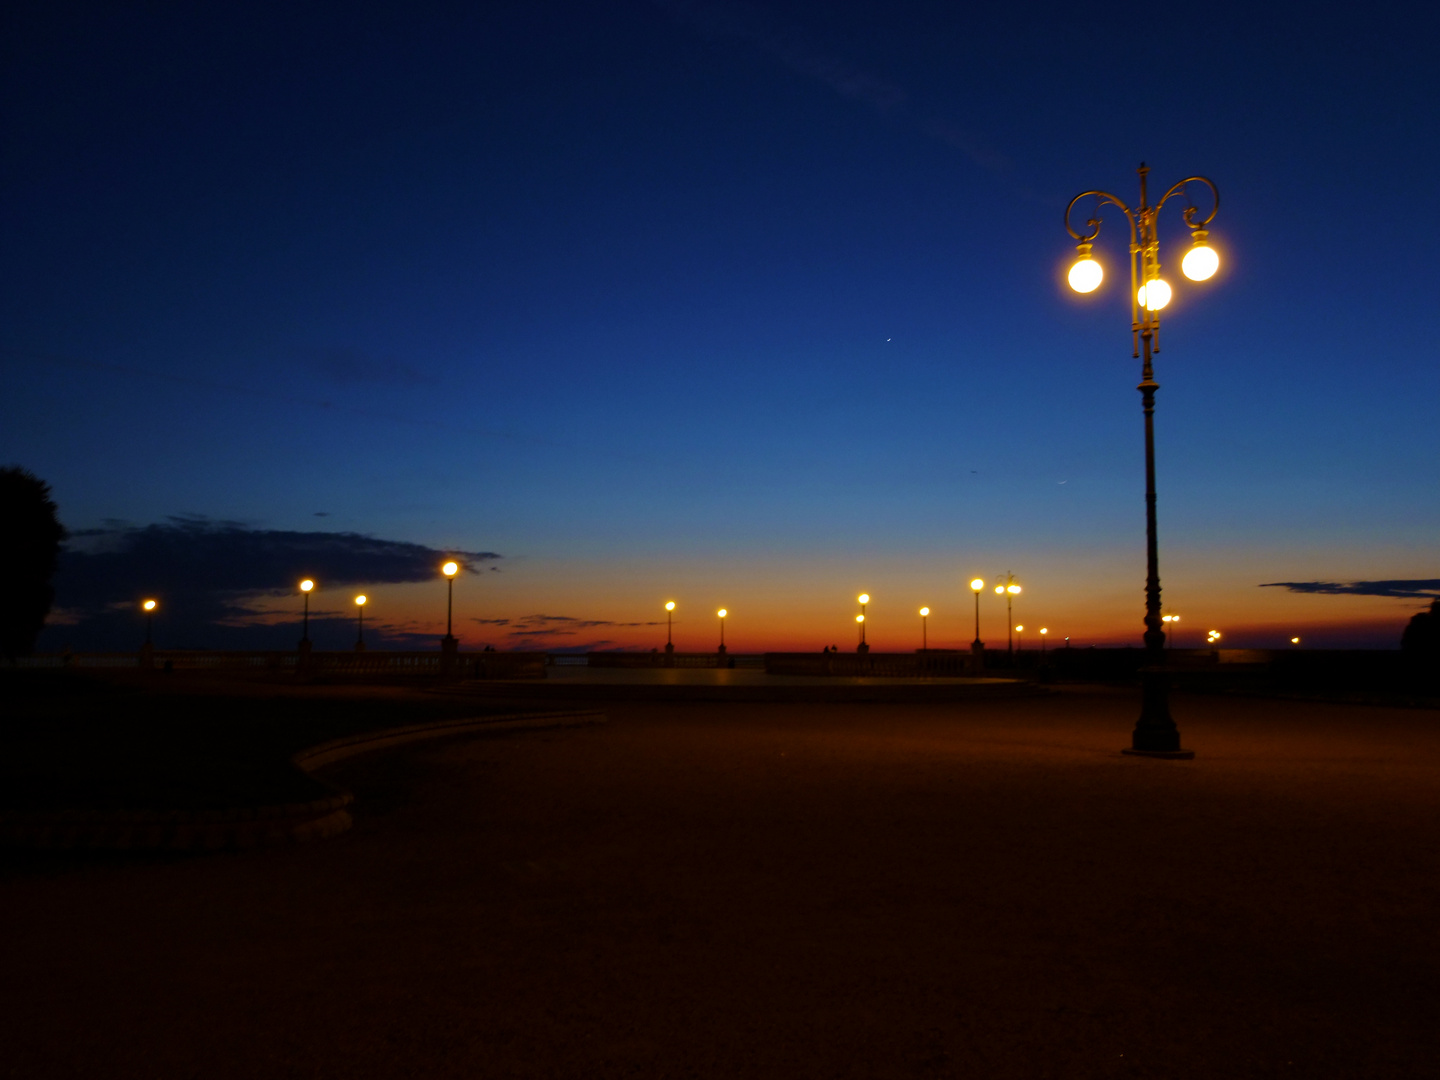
29	547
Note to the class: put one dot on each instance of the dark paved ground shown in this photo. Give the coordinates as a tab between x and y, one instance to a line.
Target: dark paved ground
783	891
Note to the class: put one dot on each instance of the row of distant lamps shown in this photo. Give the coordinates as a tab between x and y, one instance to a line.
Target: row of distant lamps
1009	590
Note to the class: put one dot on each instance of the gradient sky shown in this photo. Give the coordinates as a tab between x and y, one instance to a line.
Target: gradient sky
741	304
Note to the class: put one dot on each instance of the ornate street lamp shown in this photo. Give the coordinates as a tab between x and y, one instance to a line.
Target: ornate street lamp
924	640
1155	732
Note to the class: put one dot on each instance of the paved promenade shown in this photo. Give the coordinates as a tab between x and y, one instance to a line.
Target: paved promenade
704	890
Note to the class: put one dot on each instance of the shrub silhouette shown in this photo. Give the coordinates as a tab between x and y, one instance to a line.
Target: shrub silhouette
1421	638
29	547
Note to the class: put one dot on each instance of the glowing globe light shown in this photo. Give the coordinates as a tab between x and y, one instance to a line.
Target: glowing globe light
722	613
149	605
999	590
306	585
670	605
1153	295
924	611
1044	630
1019	629
1086	275
450	569
864	598
360	600
859	618
1012	588
977	584
1200	262
1294	641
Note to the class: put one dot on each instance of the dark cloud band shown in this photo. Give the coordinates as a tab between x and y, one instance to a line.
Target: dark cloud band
1410	589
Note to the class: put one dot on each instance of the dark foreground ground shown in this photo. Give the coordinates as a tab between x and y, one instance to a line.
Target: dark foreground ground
782	891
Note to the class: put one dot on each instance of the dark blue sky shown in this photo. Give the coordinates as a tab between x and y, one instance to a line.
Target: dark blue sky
726	299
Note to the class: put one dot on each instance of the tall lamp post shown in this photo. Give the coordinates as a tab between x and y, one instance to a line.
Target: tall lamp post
450	569
1043	632
864	599
305	587
924	639
360	620
722	613
149	607
669	626
977	645
1155	732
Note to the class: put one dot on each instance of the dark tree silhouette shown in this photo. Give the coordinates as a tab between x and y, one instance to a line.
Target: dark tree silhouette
30	538
1422	636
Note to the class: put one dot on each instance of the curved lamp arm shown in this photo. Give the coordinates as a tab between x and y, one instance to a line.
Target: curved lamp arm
1191	209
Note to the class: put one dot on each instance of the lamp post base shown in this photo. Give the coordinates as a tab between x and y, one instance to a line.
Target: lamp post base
1155	733
862	648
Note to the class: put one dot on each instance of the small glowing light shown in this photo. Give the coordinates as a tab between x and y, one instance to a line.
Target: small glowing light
1019	629
306	585
864	598
999	590
1013	589
977	584
149	605
450	569
1086	275
1201	261
722	613
360	600
1153	295
924	611
1044	630
859	618
670	605
1294	641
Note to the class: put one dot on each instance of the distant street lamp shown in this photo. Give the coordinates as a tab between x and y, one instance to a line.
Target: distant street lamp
864	599
1009	590
722	613
305	587
1020	639
450	569
860	620
1172	628
1155	731
1043	632
924	640
360	616
669	626
149	607
1294	641
1213	639
977	644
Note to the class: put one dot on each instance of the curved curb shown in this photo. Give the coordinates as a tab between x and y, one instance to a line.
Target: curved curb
249	826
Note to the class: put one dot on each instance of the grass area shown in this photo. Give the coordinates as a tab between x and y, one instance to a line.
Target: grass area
184	740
